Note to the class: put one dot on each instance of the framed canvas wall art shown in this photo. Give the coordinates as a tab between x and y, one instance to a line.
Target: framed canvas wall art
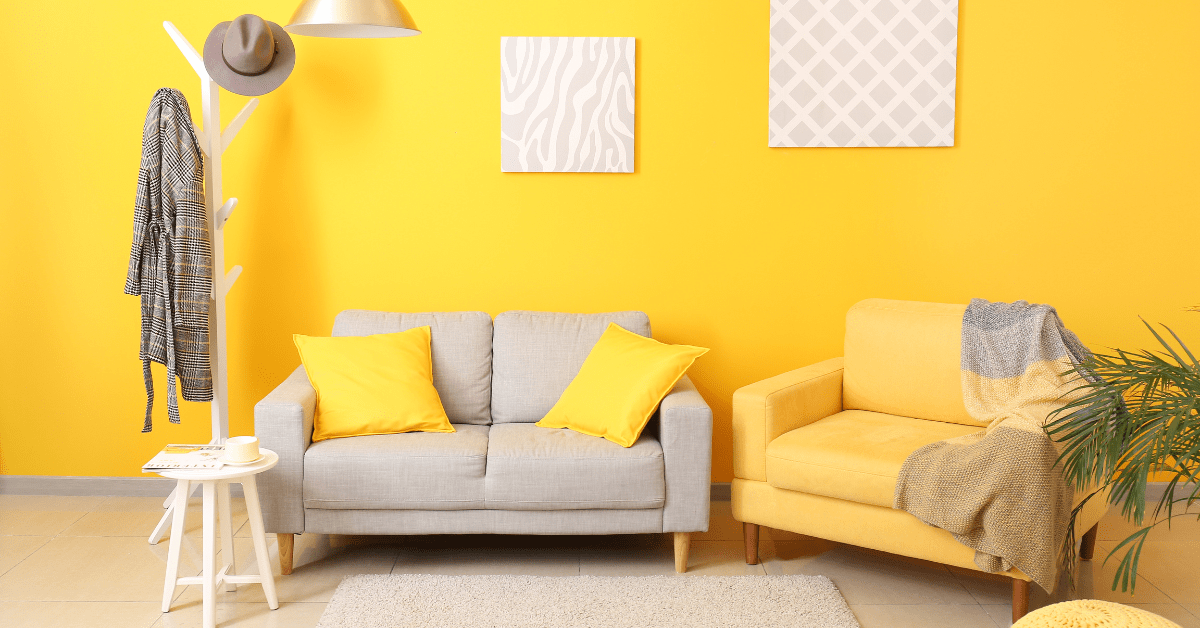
567	104
863	72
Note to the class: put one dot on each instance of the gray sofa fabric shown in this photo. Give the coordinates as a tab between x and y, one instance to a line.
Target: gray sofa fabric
685	431
538	468
283	422
461	344
413	471
640	521
510	477
535	355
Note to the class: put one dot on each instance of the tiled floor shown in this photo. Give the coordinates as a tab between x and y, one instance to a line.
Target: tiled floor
84	561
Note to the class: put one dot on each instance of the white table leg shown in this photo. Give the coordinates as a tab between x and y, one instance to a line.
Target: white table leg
169	504
260	541
179	512
209	576
223	514
156	535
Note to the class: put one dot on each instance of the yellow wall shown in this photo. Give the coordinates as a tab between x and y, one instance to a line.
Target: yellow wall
371	179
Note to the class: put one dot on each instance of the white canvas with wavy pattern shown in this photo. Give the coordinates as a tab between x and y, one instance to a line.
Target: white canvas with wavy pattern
566	104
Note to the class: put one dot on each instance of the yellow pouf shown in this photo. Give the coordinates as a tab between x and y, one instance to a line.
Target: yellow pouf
1092	614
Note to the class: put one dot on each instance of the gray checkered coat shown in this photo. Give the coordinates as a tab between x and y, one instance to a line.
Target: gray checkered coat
170	266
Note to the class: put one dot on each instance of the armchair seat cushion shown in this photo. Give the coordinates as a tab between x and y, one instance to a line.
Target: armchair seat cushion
411	471
538	468
854	455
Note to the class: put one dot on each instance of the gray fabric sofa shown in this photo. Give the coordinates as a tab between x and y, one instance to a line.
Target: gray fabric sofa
499	473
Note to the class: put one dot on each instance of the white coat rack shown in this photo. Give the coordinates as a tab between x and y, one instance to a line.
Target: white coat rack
213	142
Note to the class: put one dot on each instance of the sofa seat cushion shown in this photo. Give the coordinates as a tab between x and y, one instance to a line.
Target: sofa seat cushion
416	470
538	468
854	455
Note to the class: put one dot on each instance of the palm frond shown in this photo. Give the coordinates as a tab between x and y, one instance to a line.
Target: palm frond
1132	414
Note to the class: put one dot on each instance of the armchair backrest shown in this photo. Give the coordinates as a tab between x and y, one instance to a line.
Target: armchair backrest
537	354
904	358
460	345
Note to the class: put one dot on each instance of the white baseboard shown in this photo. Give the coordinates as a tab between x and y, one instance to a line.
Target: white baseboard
115	486
1155	490
91	486
138	487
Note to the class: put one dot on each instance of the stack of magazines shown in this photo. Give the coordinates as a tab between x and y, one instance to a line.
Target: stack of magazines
186	457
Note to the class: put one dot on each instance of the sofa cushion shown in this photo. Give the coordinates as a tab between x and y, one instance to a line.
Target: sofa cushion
462	354
416	470
621	383
537	354
537	468
904	358
377	384
854	455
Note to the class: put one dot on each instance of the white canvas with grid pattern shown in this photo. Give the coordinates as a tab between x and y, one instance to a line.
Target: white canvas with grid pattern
863	72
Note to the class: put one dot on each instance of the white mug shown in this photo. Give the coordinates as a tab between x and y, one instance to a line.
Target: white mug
241	449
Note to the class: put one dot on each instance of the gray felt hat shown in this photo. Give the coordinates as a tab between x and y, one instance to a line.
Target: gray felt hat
249	56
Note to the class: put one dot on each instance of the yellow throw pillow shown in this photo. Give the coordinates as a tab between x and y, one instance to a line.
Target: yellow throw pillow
619	385
381	384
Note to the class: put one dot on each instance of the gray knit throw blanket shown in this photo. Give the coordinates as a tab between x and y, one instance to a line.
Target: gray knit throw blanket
999	491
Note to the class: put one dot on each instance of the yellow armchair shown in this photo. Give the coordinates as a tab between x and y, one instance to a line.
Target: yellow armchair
818	450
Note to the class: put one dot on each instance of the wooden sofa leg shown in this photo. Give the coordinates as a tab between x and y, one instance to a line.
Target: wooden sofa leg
750	534
1087	548
683	543
287	543
1020	599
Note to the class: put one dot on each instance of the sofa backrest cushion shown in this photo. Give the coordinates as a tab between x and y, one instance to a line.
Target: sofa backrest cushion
461	345
537	354
904	358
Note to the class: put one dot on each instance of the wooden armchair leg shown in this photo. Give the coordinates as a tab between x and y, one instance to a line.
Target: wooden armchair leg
683	543
1020	599
287	543
750	534
1087	548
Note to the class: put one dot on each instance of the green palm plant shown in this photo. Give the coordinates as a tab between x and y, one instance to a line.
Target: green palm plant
1136	413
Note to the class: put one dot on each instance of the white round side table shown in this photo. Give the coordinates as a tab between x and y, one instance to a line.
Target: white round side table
216	496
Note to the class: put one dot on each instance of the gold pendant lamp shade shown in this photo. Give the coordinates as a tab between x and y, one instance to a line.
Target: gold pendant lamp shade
352	18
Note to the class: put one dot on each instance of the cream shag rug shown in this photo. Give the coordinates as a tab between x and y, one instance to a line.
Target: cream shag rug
423	601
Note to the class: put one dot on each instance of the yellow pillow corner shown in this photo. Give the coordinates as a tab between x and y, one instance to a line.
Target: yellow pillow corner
378	384
621	382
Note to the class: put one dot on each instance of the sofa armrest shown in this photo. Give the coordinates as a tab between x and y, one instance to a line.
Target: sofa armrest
685	431
765	410
283	422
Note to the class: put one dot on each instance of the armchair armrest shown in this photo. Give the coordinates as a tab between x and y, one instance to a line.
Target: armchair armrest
764	410
283	422
685	431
